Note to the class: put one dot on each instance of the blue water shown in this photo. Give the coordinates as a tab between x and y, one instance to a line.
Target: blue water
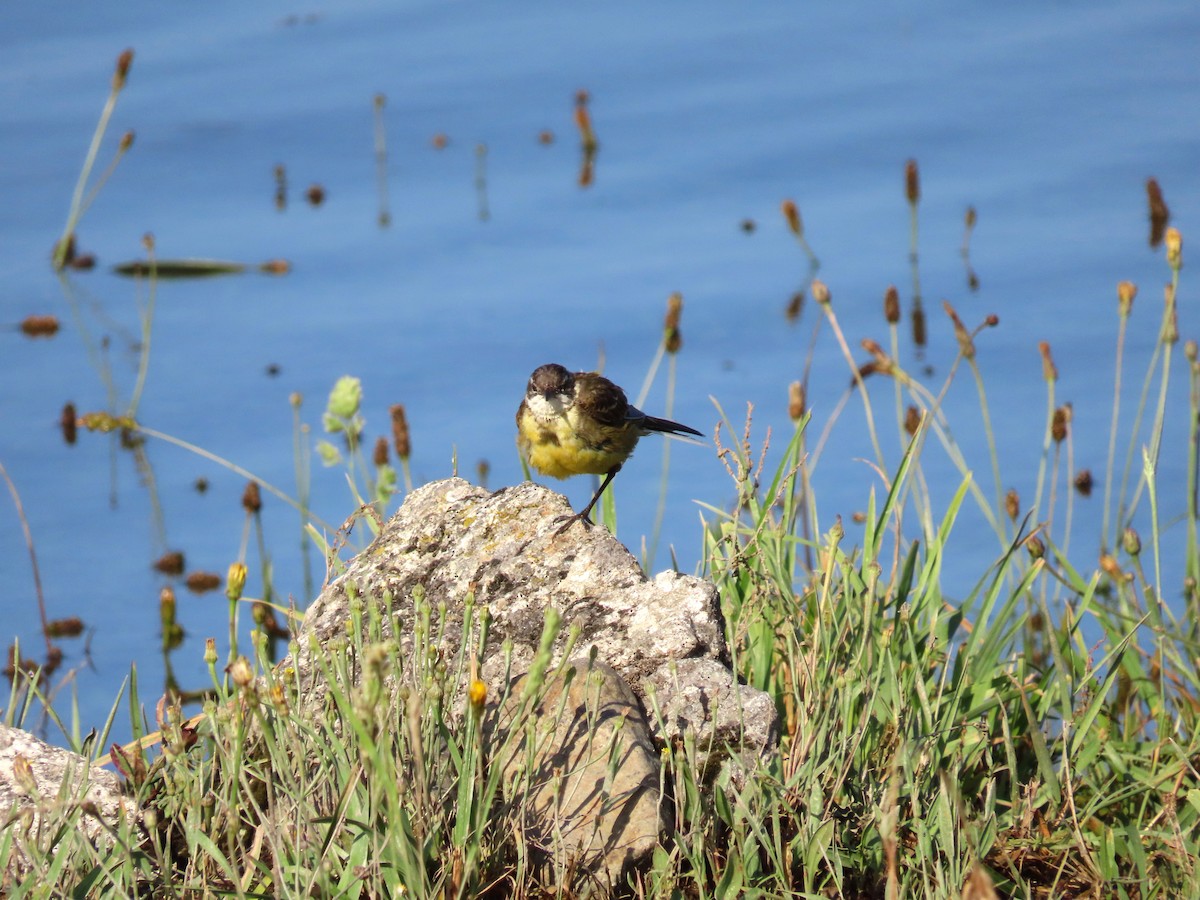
1046	118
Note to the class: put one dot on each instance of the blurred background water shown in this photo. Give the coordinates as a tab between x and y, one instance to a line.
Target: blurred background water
1047	118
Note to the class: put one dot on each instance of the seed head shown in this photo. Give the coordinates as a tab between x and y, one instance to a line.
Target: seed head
1035	546
170	563
1012	504
1059	423
795	305
966	345
1049	372
1083	482
252	497
912	182
820	292
792	214
400	437
39	326
203	582
891	305
918	325
1159	213
381	452
912	420
68	423
672	338
124	61
71	626
796	401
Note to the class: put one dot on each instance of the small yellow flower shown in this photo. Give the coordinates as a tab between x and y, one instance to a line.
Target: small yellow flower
477	693
235	581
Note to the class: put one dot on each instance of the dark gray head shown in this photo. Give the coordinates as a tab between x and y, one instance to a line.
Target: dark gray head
550	380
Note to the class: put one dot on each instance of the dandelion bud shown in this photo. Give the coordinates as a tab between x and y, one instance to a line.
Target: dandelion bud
240	672
1049	372
1170	328
1131	542
796	401
1126	291
820	292
252	497
124	61
166	607
210	651
22	771
400	437
891	305
792	214
1012	504
1174	242
235	582
912	182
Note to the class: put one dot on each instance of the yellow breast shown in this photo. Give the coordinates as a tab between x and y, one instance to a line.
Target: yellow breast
566	445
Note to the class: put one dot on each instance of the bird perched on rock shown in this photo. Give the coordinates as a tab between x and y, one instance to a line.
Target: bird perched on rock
581	424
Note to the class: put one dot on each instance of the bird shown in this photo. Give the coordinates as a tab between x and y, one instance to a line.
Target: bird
580	423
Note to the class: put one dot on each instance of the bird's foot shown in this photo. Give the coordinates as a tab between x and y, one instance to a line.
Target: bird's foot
568	521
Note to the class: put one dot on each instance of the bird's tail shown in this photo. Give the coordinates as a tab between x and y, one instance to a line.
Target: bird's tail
666	426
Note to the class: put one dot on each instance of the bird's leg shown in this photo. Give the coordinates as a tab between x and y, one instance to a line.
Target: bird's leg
582	516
